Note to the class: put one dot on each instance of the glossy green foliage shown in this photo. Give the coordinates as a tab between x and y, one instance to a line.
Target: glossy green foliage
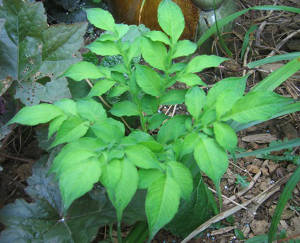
98	149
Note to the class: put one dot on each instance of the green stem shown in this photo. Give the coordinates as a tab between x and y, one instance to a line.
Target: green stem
218	189
119	232
142	120
134	95
110	232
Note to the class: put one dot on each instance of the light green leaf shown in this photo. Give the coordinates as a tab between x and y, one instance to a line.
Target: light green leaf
147	177
149	80
78	180
195	100
173	97
211	158
124	108
199	63
75	152
134	49
142	157
33	115
104	48
183	177
55	125
68	106
125	189
67	158
156	120
176	67
191	79
153	146
115	154
236	87
121	29
83	70
172	129
111	174
117	90
225	136
171	19
184	48
155	53
150	104
162	203
259	105
70	130
101	87
90	109
109	130
102	19
279	76
189	143
158	36
208	116
225	101
107	36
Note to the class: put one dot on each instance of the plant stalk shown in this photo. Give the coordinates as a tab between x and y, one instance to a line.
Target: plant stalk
119	232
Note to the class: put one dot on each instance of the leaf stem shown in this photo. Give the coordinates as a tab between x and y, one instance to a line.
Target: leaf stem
119	232
110	232
218	189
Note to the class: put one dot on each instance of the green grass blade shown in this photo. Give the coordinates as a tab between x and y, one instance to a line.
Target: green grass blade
221	23
246	39
277	77
222	42
284	145
284	197
272	59
290	108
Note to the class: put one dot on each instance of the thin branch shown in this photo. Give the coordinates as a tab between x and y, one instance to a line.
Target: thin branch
227	198
263	195
17	158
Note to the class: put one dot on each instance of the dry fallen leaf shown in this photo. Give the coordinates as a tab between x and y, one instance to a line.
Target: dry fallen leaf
259	227
259	138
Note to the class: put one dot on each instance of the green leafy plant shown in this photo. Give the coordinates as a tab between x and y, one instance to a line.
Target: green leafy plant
35	55
45	220
97	148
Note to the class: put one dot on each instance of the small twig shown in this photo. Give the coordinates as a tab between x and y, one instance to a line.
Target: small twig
17	158
244	170
174	110
258	32
239	194
223	230
100	97
169	108
285	40
141	10
271	190
228	199
107	105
